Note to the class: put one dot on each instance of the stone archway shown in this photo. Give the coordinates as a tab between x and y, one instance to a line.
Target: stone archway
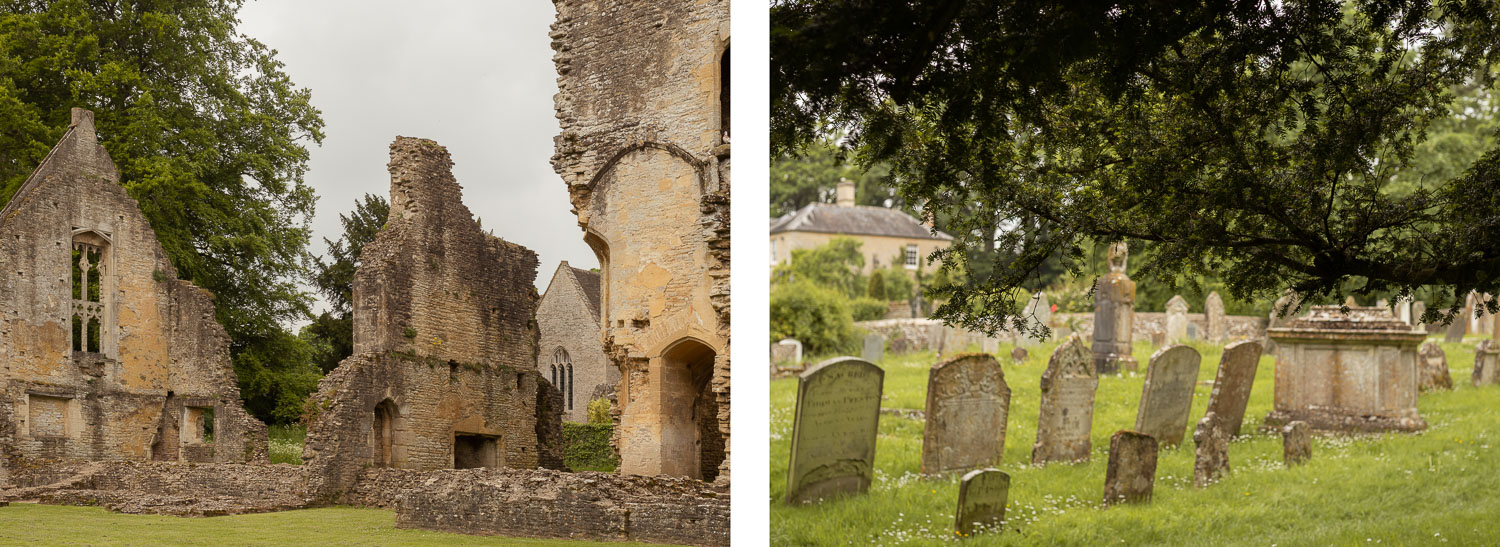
383	434
691	444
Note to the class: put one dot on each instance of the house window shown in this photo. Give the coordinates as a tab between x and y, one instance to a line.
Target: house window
564	367
911	257
89	289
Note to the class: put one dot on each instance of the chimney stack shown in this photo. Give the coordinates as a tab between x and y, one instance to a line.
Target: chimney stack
845	193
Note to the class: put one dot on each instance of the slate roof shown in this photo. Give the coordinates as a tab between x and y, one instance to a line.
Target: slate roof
589	282
857	220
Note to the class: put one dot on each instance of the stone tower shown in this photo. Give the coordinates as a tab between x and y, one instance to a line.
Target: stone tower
643	101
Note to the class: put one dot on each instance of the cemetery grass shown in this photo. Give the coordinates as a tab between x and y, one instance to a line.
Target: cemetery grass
32	524
1438	486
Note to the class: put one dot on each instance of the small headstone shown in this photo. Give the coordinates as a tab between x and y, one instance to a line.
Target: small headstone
1213	315
1167	396
1177	309
1018	354
787	352
1486	321
1211	452
833	430
1132	468
1382	303
1286	304
1232	384
874	348
982	496
936	335
1296	443
1460	325
968	405
1418	309
1192	331
1067	405
1037	313
1432	368
1486	361
1403	310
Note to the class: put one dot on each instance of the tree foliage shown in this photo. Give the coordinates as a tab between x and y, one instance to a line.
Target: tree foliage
1271	145
813	174
332	332
835	265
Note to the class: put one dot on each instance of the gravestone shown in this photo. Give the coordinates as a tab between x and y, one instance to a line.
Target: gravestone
1286	304
1232	384
1418	309
1403	311
936	335
1114	315
1486	360
1296	443
1018	355
1132	468
1432	368
982	495
786	352
1382	303
833	430
1485	324
1213	317
990	345
874	347
1038	313
1177	309
1460	325
1347	370
968	404
1167	396
1192	331
1211	451
1067	405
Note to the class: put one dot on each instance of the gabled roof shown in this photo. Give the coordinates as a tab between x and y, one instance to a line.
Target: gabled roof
857	220
586	281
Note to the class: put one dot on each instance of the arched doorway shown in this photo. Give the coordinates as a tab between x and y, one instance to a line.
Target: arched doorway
692	445
384	432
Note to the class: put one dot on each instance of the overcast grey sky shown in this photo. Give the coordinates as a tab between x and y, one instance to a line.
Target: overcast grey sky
477	77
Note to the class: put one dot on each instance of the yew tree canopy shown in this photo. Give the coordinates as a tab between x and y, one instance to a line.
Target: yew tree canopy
1274	144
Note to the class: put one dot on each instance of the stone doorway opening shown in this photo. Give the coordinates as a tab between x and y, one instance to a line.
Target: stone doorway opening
472	450
384	432
692	444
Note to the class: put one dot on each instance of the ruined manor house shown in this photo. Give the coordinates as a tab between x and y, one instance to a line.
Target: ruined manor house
643	101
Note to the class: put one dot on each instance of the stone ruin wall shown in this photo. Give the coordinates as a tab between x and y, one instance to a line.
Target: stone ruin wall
644	154
445	343
161	350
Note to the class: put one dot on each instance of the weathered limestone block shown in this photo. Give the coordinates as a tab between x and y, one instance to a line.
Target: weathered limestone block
1486	361
1211	440
131	366
873	349
833	430
968	404
1232	385
1067	405
1114	316
1131	473
1296	443
1177	323
1167	396
1213	312
982	495
1433	368
1351	373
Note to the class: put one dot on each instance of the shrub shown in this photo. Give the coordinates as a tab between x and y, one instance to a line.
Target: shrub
835	265
586	446
876	288
868	309
816	316
598	410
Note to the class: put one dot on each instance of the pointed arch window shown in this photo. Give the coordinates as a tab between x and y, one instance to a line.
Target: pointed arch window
92	286
563	365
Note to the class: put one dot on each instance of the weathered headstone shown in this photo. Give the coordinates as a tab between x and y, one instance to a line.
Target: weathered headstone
1460	325
1213	318
1486	322
1192	331
1418	309
982	495
1037	313
1167	396
1018	355
1403	311
833	430
1382	303
1232	384
1432	368
1296	443
1348	370
874	347
1114	315
1067	405
787	352
1486	361
968	404
1131	473
1177	309
1211	450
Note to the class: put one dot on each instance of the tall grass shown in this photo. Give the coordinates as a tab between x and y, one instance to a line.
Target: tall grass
1439	485
286	443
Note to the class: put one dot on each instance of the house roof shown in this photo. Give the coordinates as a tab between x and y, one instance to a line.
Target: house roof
587	282
856	220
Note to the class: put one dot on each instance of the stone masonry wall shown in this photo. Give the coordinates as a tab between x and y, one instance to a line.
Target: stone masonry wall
160	348
566	321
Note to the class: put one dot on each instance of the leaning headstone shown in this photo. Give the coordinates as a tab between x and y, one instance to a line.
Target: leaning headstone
968	405
1167	396
982	495
1067	405
1132	468
1432	368
1114	315
1296	443
1212	450
1232	384
1177	309
1460	325
1213	317
787	352
874	347
833	430
1018	355
1486	360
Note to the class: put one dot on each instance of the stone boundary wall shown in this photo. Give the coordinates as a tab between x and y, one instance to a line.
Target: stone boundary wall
906	335
166	487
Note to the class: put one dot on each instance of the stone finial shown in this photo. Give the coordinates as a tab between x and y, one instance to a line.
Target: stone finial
82	123
1119	253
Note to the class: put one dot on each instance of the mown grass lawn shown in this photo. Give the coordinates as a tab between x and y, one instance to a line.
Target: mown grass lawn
30	524
1438	486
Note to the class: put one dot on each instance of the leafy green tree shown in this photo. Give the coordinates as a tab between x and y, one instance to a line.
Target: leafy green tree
812	175
814	314
835	265
1253	141
210	138
332	332
876	288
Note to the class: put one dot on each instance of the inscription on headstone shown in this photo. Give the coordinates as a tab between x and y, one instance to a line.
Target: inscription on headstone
874	347
1232	384
1432	368
982	495
1131	473
1067	405
1486	360
1167	396
1177	309
1296	443
1114	315
833	430
1213	314
1211	452
968	404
